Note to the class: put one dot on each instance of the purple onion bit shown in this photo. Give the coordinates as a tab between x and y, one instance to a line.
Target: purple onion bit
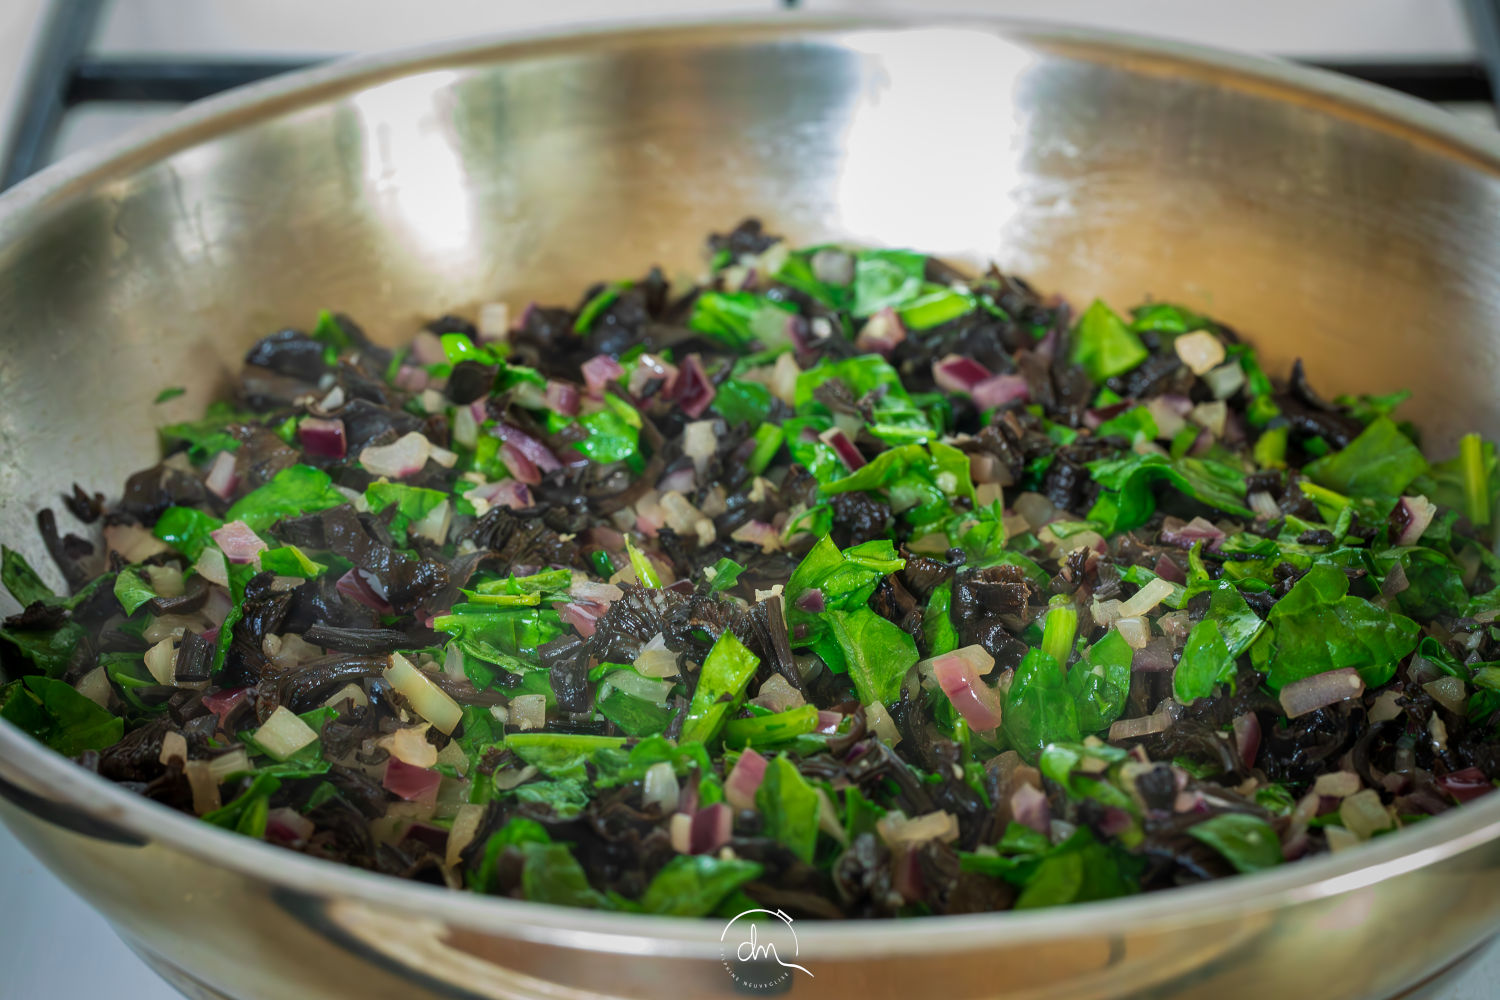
323	436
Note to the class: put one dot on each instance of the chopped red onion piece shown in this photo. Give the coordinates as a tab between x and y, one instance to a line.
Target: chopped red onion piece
650	371
758	533
519	466
405	457
1028	806
1175	532
1201	444
956	373
599	371
680	480
1415	514
1169	570
1128	729
1094	418
1263	504
1247	737
582	615
221	479
510	493
354	586
285	825
1115	822
693	391
1180	405
744	780
414	784
1166	417
811	601
221	703
906	876
839	442
595	591
881	332
562	398
411	378
239	543
975	700
1000	390
529	446
712	828
828	722
1467	784
1321	690
322	436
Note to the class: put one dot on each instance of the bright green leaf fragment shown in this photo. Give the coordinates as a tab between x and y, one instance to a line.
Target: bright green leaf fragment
692	885
186	529
1319	626
886	278
1128	502
53	712
171	392
132	590
1103	345
412	503
21	580
788	807
721	682
595	307
1381	462
298	489
289	560
1100	682
743	321
1246	841
1205	663
767	730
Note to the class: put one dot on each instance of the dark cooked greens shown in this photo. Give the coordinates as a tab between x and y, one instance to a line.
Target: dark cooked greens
843	584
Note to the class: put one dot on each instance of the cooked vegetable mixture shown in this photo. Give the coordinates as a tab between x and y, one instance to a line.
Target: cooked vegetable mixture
842	584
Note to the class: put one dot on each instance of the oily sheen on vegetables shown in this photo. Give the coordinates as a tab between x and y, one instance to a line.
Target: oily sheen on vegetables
842	584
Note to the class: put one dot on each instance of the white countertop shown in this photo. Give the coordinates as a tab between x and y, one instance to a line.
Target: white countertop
52	945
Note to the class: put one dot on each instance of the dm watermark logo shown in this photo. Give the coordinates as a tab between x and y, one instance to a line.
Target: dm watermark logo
759	950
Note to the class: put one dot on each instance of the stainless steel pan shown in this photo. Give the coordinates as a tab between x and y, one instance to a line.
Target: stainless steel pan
1327	220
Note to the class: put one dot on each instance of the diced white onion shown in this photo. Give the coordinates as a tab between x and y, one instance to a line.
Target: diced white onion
434	525
1146	599
1225	380
655	659
494	324
1340	839
699	443
409	745
94	686
881	723
205	786
1363	814
778	695
427	699
350	692
1210	416
894	828
529	711
1201	351
1449	692
161	661
283	734
1134	630
236	761
1337	784
173	745
1263	504
660	786
1385	707
461	833
165	580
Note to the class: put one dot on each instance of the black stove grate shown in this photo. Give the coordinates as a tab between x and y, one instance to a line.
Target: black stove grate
64	76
